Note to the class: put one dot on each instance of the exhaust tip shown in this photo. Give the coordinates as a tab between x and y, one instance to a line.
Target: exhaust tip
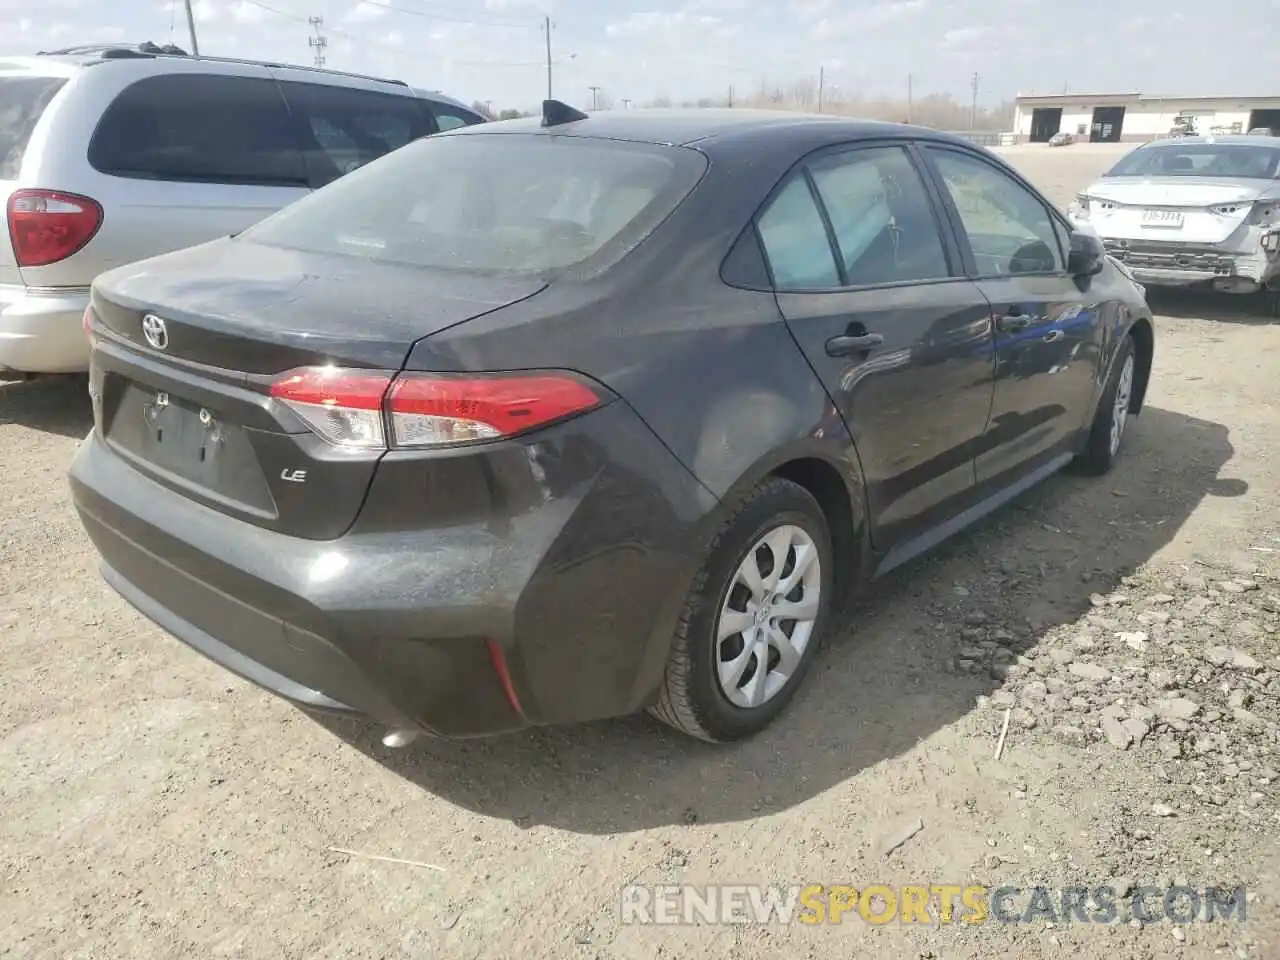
398	737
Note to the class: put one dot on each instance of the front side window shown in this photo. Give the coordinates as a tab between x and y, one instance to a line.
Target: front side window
1009	229
493	204
795	240
881	216
343	129
199	128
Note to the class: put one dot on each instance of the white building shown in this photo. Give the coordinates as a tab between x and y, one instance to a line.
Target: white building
1136	117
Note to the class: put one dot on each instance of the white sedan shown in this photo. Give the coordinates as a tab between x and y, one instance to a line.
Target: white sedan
1192	211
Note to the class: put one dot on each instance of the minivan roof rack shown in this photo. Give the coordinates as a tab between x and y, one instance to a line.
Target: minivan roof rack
116	51
125	51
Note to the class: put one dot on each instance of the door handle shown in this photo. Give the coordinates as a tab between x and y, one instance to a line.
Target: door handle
842	346
1015	322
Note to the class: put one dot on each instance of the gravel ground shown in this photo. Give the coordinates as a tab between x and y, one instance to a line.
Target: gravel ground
155	806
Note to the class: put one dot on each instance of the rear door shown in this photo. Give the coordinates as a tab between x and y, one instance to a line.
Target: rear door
1047	329
189	157
868	280
23	99
341	128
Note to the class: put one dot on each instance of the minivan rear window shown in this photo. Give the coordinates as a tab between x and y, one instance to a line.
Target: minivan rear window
22	101
493	203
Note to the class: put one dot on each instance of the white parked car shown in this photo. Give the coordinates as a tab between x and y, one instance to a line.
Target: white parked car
1195	211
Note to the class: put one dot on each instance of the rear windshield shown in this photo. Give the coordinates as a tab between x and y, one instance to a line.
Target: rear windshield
493	203
1258	162
22	101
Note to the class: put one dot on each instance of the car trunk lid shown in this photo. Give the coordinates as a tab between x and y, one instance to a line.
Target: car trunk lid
1177	209
189	404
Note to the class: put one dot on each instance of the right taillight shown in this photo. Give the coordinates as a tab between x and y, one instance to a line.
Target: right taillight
375	410
46	226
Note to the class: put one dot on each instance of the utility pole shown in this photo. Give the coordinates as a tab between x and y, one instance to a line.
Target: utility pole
731	96
822	79
319	42
191	27
626	103
546	21
973	105
910	101
594	92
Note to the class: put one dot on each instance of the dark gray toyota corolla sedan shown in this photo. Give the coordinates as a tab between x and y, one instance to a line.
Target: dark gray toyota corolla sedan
540	422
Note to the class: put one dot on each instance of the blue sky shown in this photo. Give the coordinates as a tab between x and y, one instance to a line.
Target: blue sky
493	50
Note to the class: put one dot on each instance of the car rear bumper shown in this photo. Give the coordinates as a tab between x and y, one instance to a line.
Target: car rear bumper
1180	264
41	331
556	606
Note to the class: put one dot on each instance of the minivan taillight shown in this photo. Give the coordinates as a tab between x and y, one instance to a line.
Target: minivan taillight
46	226
376	410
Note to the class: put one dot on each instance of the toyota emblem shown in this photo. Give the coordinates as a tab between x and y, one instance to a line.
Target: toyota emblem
154	329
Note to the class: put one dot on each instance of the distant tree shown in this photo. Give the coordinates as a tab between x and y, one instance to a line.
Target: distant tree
511	115
482	109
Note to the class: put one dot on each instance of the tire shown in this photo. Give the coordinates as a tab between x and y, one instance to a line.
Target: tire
1103	445
693	697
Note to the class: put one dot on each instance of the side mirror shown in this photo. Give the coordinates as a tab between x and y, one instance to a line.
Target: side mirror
1088	256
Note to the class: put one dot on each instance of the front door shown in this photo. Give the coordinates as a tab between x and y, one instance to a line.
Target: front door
1048	337
868	282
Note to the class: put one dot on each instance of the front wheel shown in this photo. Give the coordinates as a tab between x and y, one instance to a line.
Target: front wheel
1112	416
754	617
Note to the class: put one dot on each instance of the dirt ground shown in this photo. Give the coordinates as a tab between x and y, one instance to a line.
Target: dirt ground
155	806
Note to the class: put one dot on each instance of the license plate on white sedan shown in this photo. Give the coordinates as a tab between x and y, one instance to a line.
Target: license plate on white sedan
1162	218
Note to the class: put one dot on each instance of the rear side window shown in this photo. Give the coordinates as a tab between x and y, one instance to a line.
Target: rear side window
343	129
22	101
493	204
199	128
449	117
795	240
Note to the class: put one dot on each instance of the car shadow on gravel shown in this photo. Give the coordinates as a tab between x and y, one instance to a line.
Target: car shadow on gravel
891	676
54	404
1248	309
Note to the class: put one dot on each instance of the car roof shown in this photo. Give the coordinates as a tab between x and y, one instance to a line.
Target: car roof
1241	138
723	127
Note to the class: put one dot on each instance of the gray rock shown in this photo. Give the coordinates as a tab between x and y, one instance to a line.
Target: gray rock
1239	699
1247	719
1170	748
1232	658
1175	708
1162	679
1058	685
1229	586
1136	640
975	618
1137	729
1061	656
1163	810
970	653
1023	718
1153	617
1003	698
1069	734
1161	598
1139	712
1116	733
1035	690
1080	704
1090	671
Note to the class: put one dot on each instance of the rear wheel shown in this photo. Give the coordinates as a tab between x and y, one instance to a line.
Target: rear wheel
754	617
1112	416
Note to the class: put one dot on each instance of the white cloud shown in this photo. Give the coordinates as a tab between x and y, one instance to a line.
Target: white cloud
652	22
364	13
873	17
248	13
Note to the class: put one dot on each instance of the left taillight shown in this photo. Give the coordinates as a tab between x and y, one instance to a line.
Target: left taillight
372	410
47	226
